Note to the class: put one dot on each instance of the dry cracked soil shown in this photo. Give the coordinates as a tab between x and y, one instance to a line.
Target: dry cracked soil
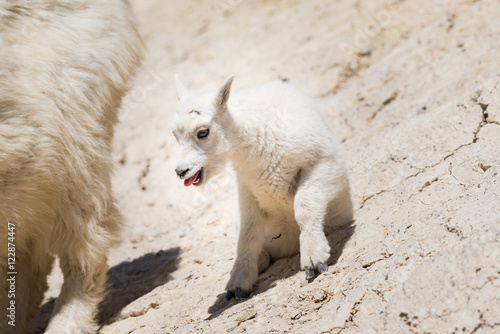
412	90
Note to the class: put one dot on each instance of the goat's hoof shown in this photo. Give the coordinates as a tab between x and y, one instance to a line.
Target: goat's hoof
229	295
312	272
240	293
322	268
237	294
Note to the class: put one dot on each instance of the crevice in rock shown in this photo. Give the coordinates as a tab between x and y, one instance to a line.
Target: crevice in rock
141	312
246	318
453	176
483	324
384	104
374	195
427	184
485	117
455	230
348	72
483	106
411	322
402	161
368	265
354	311
484	167
144	174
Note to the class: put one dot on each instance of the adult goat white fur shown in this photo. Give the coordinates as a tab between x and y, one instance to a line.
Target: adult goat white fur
292	179
65	66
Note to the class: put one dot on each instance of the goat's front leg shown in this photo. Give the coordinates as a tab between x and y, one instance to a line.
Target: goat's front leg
250	248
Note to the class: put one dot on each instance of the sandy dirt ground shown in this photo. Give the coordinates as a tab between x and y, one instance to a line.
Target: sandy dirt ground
411	89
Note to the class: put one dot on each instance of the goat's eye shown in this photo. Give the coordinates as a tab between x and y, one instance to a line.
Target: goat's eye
203	133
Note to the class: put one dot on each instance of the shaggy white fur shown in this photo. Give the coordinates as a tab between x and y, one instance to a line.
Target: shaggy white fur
291	174
65	66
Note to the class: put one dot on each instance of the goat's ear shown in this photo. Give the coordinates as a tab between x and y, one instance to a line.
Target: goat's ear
181	90
223	93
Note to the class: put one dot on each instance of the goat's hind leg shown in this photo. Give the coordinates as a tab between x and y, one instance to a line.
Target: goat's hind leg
84	268
82	291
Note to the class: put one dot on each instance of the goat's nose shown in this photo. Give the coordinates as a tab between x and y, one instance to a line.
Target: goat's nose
181	173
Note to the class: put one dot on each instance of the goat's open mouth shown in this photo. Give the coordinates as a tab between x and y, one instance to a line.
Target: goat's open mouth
195	179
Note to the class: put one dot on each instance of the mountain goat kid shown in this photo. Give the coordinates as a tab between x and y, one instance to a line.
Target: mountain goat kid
65	66
292	180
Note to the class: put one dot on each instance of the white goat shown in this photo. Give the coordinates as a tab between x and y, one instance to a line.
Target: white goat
292	179
65	66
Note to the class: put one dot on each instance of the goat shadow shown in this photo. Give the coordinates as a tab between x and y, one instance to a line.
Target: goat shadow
126	282
284	268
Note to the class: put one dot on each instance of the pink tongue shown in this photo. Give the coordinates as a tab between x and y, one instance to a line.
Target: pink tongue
188	182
